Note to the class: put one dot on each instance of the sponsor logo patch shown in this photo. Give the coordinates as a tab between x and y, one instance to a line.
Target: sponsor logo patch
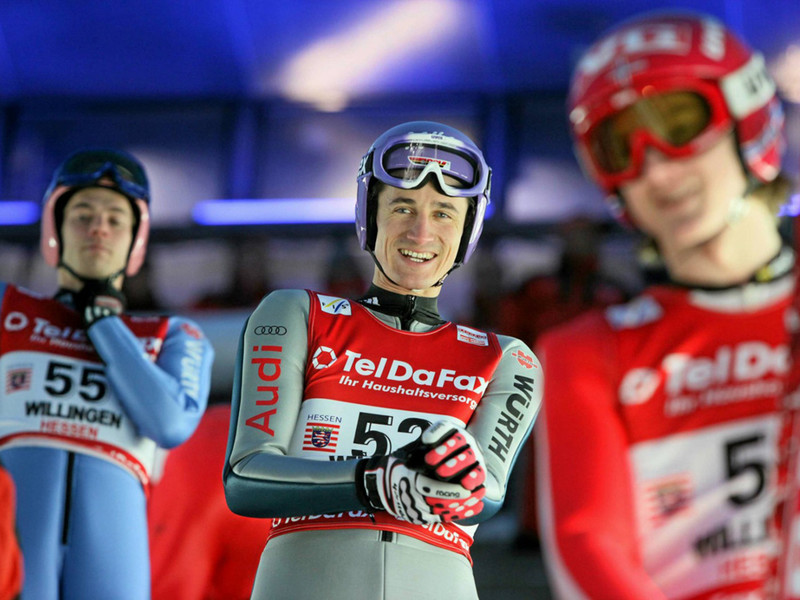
526	360
472	336
270	330
324	357
423	161
192	331
635	313
710	380
15	321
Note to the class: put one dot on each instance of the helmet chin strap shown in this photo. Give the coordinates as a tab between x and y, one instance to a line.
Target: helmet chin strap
107	281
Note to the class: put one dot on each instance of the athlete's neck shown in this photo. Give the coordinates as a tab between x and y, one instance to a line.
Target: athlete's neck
732	256
406	306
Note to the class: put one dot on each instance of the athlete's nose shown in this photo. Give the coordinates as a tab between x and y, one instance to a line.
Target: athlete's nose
658	168
421	229
99	225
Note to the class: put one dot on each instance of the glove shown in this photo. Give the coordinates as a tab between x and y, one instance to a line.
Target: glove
98	299
422	482
450	453
388	483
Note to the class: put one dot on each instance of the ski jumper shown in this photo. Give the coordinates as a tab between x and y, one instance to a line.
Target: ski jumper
660	447
80	419
322	380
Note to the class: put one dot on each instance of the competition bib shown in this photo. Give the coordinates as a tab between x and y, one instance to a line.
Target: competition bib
722	517
55	392
371	389
709	386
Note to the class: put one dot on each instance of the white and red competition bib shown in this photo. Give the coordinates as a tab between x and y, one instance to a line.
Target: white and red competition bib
371	389
55	393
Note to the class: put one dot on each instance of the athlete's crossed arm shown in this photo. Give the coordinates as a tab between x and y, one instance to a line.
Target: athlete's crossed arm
166	398
439	478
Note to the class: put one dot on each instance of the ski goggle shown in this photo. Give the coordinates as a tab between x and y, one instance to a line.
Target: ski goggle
407	163
88	168
679	123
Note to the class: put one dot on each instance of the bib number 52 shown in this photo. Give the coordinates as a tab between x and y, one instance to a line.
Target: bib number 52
374	431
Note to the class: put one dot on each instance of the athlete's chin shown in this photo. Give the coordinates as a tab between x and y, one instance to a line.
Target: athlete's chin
691	233
97	271
416	284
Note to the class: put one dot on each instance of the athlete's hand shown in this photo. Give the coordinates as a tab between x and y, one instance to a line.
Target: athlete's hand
438	478
388	483
97	300
450	453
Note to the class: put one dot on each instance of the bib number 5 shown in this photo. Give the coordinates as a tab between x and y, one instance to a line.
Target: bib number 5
741	458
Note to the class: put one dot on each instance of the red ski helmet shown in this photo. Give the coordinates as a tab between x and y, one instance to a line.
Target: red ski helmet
677	82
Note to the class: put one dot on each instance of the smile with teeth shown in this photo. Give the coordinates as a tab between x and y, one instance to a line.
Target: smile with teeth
417	256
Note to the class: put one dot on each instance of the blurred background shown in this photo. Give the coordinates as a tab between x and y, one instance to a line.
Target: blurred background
251	117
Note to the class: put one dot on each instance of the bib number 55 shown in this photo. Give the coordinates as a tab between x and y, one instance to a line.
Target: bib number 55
62	378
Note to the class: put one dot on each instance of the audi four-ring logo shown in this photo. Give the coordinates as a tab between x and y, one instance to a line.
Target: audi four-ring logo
270	330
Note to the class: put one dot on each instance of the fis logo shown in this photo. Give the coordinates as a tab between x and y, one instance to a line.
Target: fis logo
192	331
334	306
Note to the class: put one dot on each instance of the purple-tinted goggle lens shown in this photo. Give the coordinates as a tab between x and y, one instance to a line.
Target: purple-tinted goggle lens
408	164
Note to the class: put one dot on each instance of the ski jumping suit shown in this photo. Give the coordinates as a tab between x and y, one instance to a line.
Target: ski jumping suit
80	418
661	443
321	380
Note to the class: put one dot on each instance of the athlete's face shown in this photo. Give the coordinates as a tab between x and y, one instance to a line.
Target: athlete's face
685	202
96	233
419	232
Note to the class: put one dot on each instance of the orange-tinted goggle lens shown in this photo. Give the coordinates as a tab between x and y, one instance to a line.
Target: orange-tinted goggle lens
676	118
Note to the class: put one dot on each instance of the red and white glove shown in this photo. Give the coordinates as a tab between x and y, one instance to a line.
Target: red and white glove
388	483
450	453
436	479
